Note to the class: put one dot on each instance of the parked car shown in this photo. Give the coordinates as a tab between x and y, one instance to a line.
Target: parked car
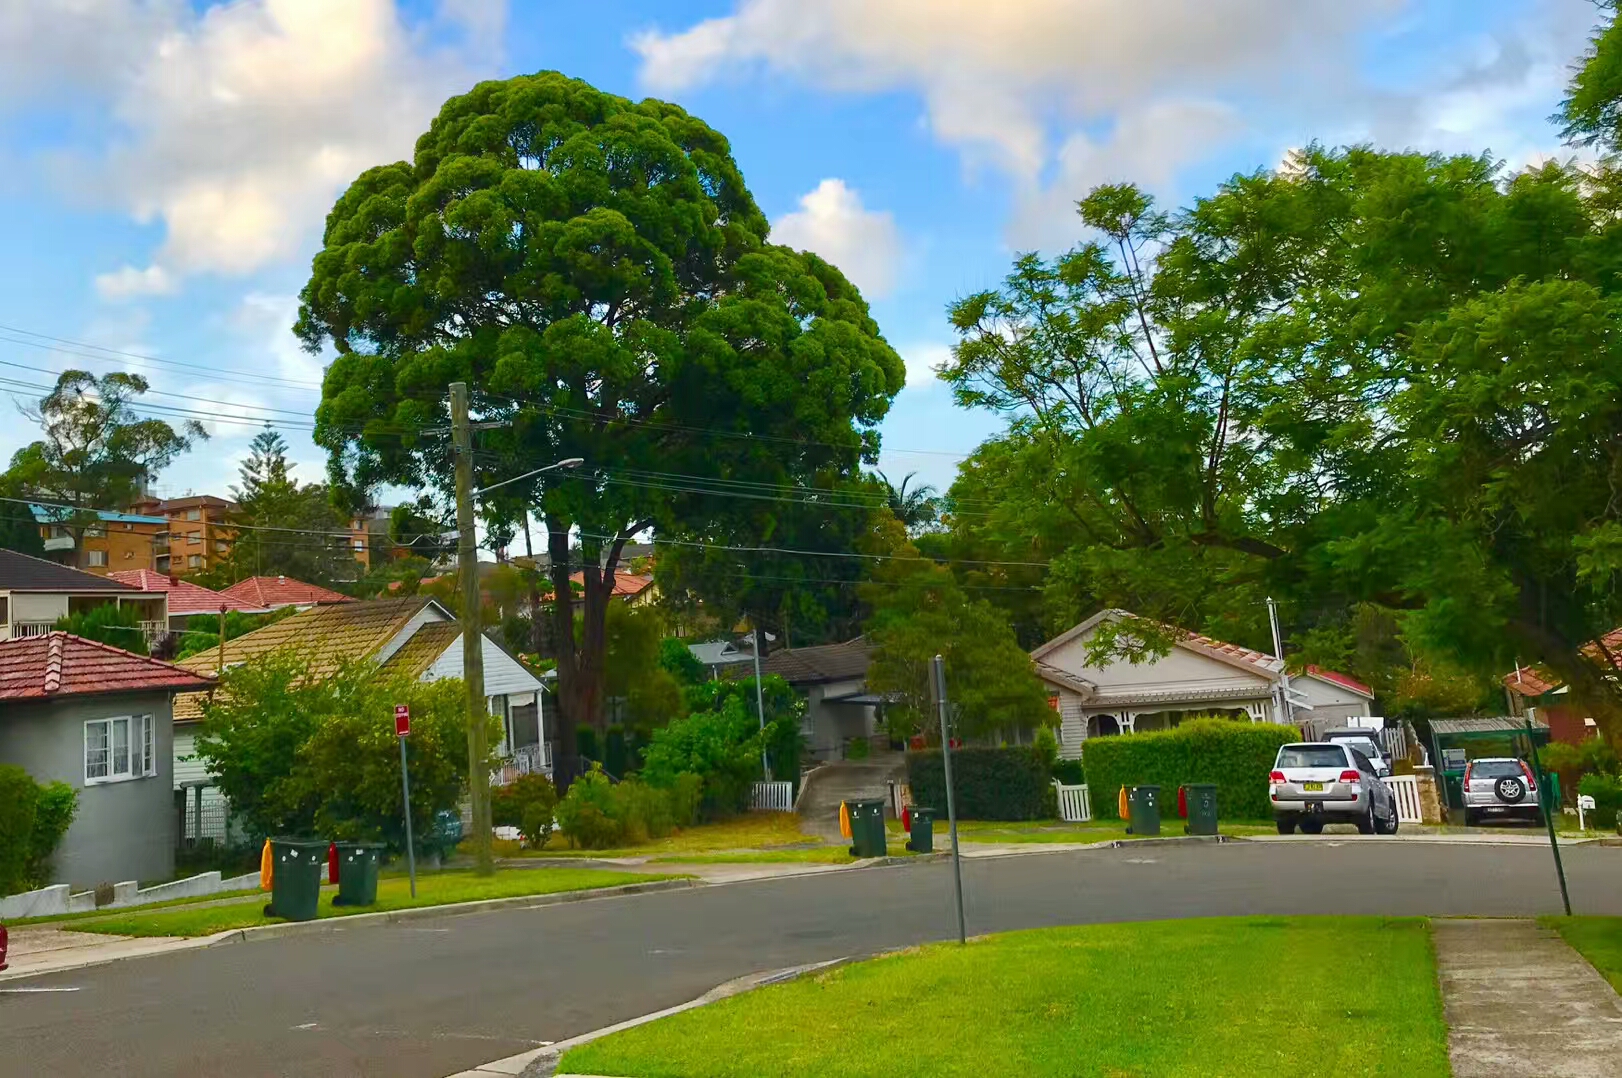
1365	742
1319	782
1500	786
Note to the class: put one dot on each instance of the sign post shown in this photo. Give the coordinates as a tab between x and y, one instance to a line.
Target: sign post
938	683
402	730
1549	809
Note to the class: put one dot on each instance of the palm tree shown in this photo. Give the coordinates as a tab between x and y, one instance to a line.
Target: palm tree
916	508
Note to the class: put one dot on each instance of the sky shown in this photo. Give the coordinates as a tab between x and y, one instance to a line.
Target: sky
166	166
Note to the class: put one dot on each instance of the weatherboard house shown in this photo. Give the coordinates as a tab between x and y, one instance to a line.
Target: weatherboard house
1198	676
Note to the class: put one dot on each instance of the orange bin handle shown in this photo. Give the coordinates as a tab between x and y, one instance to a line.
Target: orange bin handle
1120	804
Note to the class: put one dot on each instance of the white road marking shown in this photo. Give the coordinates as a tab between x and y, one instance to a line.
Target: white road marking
1142	861
309	1025
32	991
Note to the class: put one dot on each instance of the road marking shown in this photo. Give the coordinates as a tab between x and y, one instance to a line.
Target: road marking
1141	861
436	930
32	991
309	1025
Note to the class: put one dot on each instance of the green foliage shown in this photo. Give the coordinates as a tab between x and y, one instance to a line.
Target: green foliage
990	784
19	530
585	743
1591	113
720	741
528	803
54	810
19	798
588	813
634	670
1606	790
1069	772
1235	755
924	613
311	545
1046	747
196	641
109	624
298	754
97	450
858	749
678	660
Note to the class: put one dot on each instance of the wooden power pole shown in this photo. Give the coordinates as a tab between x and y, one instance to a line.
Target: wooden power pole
478	711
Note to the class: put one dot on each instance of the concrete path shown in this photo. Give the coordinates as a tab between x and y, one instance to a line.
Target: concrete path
48	949
1519	1001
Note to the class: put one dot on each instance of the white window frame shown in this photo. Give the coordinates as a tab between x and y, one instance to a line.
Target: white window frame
140	749
91	557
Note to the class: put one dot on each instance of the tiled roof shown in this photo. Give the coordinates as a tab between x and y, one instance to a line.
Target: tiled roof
427	644
1345	681
1536	680
825	662
273	592
626	585
19	572
1221	648
61	664
185	598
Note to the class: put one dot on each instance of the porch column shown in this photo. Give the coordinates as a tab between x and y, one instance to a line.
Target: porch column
1129	722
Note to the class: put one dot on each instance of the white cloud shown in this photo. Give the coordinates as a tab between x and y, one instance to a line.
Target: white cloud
71	47
127	282
832	221
922	360
265	323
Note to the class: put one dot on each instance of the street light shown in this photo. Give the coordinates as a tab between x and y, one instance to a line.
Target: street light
567	462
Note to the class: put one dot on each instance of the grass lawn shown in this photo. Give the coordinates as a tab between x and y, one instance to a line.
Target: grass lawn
85	914
1055	831
393	893
752	830
1220	998
1598	939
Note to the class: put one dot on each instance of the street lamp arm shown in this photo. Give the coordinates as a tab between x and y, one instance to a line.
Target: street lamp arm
568	462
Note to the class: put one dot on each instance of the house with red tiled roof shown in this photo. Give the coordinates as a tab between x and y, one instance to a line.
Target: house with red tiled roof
1539	691
1100	697
186	600
275	592
101	720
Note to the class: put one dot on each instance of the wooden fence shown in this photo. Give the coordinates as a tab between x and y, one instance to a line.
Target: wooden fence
772	797
1075	804
1406	790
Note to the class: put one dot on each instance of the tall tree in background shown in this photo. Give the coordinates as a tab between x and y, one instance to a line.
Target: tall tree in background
19	530
98	451
285	529
597	272
916	508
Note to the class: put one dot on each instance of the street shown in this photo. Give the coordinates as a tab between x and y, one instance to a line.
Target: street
429	998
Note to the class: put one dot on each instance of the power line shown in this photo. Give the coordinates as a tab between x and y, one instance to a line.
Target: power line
164	393
97	351
832	553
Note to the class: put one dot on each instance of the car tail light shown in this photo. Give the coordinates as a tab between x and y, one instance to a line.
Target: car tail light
1531	783
1467	768
1276	776
1350	776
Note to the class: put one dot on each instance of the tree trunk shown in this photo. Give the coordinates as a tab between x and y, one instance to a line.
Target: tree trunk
580	659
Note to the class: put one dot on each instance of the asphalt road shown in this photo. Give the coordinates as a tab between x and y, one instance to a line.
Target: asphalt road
429	998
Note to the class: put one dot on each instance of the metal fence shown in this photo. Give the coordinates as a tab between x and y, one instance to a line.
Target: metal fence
205	815
772	797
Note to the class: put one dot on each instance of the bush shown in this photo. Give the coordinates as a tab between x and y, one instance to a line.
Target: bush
585	743
19	798
537	823
991	784
686	794
1606	790
1069	772
54	810
644	812
1046	747
1234	755
527	803
858	749
589	813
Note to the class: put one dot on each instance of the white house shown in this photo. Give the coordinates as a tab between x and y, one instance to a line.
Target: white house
1198	675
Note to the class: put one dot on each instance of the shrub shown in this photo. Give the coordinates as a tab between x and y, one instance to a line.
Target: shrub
527	803
537	823
585	743
1046	747
54	810
686	794
1069	772
991	784
19	799
1234	755
644	812
1606	790
858	749
589	813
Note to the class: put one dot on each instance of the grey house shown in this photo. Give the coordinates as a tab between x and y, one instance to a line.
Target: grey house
839	708
99	719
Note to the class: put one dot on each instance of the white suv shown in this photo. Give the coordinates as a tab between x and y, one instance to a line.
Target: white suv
1500	786
1314	783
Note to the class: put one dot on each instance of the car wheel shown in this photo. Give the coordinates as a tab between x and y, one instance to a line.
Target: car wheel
1366	822
1396	819
1312	827
1286	827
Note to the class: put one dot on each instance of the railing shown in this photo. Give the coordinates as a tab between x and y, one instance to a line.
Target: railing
22	630
1075	804
772	797
524	760
1406	790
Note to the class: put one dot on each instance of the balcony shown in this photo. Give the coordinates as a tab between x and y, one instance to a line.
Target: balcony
23	630
524	760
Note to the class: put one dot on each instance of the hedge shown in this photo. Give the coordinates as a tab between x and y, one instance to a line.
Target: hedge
991	784
1237	756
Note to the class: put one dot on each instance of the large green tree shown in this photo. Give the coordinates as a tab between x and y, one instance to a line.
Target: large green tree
597	272
98	451
286	528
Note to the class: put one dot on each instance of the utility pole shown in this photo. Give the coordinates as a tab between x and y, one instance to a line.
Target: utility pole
1285	705
478	712
760	702
937	682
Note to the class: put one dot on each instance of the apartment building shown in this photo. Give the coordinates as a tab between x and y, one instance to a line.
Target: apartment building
199	533
113	542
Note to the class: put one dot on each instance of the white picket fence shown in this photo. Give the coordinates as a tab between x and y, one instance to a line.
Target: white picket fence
1075	804
1406	790
772	797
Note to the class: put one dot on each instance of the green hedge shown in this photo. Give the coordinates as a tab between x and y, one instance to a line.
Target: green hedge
1235	755
991	784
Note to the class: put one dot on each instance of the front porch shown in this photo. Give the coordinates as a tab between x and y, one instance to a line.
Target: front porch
1080	722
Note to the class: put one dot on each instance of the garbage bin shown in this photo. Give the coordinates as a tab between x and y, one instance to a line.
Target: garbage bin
1201	798
358	863
295	882
867	836
1145	809
923	830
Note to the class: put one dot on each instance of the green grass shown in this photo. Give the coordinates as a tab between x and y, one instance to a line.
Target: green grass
1221	998
393	893
87	914
821	855
1045	831
1598	939
751	831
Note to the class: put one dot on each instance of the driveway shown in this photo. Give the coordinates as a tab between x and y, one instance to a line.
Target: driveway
430	998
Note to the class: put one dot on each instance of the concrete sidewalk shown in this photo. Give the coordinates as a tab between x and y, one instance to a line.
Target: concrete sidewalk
36	949
1520	1002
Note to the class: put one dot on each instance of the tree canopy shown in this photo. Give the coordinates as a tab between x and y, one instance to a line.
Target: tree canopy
288	528
598	273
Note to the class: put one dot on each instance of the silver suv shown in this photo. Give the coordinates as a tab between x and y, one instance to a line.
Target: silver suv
1314	783
1500	786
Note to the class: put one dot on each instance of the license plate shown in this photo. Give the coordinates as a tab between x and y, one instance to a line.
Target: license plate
1312	787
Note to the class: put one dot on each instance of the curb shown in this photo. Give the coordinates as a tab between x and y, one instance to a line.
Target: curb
171	946
1170	840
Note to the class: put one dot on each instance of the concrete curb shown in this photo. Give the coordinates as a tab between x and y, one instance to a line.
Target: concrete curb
160	945
1170	840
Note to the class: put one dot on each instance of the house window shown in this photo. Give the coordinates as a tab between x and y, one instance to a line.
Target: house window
194	539
194	514
118	749
5	609
95	531
98	559
194	561
221	546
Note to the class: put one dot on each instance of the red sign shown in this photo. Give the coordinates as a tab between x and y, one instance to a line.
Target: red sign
402	720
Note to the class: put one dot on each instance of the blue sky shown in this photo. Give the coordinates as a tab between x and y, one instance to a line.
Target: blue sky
165	166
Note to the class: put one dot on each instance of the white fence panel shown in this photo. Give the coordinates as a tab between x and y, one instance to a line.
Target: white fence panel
772	797
900	798
1406	789
1075	804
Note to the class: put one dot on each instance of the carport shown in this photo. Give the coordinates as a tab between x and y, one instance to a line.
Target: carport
1455	742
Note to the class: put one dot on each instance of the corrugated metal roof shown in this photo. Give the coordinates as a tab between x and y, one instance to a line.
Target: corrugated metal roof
1484	725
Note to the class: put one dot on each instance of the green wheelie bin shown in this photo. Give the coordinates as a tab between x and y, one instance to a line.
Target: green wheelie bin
923	830
358	863
1145	810
295	882
1201	799
867	838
